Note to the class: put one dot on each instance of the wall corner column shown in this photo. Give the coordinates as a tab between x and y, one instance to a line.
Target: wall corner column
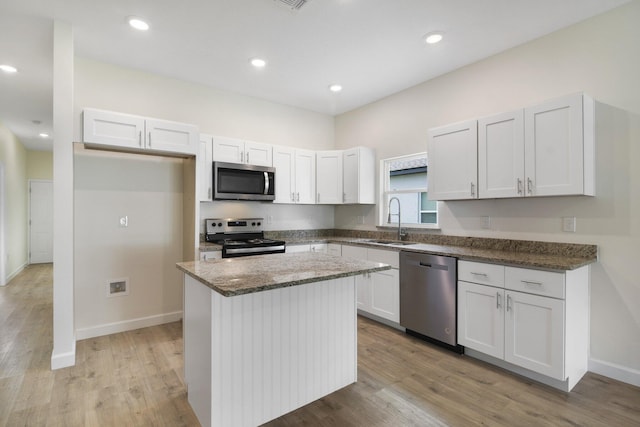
64	341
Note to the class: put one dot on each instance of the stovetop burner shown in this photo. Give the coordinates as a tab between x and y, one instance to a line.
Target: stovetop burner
241	237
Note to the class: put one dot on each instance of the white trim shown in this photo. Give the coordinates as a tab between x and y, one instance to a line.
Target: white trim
617	372
3	279
127	325
15	272
63	360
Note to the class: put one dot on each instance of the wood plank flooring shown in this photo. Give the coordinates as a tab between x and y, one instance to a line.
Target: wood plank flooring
135	379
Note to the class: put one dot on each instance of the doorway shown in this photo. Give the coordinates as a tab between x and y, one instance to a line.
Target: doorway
40	221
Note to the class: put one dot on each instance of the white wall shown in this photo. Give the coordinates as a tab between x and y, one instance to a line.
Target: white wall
14	157
600	57
148	190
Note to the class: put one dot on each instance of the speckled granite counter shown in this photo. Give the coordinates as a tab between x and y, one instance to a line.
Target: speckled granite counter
519	253
238	276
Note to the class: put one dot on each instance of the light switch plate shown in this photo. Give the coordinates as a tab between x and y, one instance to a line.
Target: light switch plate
569	224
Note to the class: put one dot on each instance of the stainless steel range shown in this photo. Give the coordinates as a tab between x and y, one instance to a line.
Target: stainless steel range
241	237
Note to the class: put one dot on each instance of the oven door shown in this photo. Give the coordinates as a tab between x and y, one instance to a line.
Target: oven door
232	181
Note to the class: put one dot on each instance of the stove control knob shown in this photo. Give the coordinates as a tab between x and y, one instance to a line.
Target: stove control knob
219	224
253	224
258	224
213	224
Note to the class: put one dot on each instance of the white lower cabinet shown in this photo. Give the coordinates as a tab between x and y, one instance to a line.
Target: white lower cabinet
541	329
291	249
377	293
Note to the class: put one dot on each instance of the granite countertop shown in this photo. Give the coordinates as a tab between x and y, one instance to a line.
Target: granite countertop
237	276
527	254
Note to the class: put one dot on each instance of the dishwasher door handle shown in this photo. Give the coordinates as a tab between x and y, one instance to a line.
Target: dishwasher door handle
436	266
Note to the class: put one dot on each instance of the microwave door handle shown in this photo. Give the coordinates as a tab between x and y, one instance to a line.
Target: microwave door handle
266	183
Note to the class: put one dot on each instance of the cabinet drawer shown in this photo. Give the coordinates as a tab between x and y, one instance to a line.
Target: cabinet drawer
354	252
545	283
318	247
387	257
478	272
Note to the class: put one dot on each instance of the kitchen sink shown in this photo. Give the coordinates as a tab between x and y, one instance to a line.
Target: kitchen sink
390	242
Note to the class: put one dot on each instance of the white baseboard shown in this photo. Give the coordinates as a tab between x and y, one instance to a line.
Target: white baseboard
617	372
127	325
63	360
14	274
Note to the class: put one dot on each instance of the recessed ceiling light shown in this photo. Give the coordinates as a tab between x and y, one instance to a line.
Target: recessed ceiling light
137	23
258	62
44	135
433	38
335	88
8	69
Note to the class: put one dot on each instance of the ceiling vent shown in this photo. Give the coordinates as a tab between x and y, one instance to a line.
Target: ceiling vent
292	4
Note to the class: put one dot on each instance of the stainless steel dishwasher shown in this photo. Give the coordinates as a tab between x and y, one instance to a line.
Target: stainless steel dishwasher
428	297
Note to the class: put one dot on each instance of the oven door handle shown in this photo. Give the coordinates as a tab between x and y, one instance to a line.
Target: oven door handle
266	183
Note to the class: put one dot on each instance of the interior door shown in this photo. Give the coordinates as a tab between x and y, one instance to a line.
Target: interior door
40	222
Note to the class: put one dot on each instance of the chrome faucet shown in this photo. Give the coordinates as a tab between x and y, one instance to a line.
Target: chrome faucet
400	233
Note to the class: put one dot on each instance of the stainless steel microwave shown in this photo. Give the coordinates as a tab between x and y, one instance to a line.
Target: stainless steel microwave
234	181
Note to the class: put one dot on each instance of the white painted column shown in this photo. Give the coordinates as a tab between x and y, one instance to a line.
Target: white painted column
64	342
3	255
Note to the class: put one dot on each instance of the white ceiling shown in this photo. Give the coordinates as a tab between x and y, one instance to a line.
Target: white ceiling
373	48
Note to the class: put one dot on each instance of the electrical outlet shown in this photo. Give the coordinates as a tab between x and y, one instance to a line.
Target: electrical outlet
569	224
124	221
485	221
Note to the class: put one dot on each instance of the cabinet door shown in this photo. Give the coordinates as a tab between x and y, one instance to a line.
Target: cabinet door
228	150
501	155
114	129
205	178
453	161
385	294
283	161
554	163
163	135
305	176
258	154
329	177
358	175
363	292
534	333
481	318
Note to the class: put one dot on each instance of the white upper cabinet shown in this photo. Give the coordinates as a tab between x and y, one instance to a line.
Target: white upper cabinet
559	147
543	150
238	151
501	155
295	175
358	175
205	170
453	161
329	177
110	129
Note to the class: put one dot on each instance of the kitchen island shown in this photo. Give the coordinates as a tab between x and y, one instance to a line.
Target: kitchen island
265	335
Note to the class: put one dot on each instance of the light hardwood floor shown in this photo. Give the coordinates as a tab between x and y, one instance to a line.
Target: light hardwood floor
135	379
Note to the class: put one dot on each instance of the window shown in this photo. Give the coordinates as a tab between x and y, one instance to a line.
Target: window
406	179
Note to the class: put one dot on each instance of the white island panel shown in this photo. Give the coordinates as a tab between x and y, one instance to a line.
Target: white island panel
254	357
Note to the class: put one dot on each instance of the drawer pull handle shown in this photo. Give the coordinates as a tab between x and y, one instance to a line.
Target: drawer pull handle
529	282
479	274
508	302
498	305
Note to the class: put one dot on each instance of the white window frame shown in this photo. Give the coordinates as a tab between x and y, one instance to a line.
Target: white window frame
385	191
